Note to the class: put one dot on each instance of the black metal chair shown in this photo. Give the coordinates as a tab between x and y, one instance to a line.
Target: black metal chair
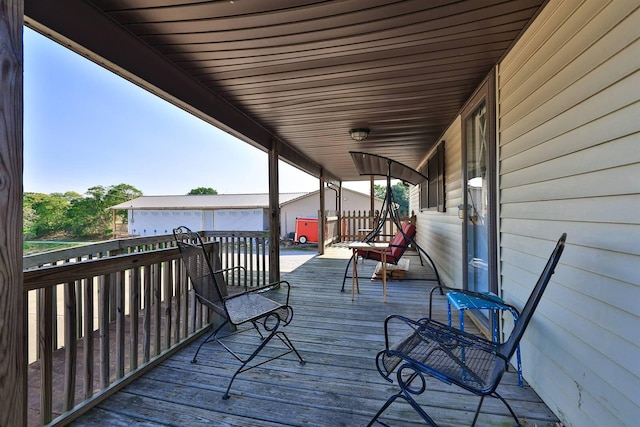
250	307
452	356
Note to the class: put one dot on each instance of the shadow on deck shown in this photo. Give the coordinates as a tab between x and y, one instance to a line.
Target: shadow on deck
338	386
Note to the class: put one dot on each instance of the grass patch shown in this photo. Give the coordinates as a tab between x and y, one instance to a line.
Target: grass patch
32	247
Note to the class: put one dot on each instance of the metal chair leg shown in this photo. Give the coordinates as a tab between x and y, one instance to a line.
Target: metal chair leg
285	339
247	360
403	395
388	403
404	382
513	414
211	337
243	367
475	417
495	394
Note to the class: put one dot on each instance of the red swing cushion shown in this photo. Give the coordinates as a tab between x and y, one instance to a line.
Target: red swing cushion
397	246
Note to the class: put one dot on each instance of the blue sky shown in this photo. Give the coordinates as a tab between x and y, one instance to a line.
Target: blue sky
84	126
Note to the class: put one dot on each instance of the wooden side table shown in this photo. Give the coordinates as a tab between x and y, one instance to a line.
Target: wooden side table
380	248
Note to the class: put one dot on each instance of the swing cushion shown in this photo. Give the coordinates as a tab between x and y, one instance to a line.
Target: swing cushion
396	248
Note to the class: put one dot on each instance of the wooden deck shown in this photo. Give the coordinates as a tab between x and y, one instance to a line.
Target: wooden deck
338	386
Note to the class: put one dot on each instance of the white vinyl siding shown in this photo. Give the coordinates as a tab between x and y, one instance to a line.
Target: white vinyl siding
569	141
440	233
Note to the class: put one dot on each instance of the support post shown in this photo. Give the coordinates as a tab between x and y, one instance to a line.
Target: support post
372	201
274	215
339	208
13	351
322	217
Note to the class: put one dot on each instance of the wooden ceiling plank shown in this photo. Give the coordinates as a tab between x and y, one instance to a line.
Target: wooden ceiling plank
238	58
295	33
449	52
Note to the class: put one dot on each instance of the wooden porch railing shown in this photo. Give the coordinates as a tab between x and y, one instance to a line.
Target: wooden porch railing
100	315
355	225
331	228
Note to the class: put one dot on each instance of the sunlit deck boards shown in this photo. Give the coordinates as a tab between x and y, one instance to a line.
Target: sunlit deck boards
339	385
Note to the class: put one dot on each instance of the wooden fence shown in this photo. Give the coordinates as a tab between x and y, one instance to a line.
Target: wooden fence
355	225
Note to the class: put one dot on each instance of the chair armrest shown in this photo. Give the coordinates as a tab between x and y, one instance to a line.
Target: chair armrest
261	289
274	285
442	288
237	267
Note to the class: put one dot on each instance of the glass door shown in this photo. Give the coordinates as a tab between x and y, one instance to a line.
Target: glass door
479	193
477	200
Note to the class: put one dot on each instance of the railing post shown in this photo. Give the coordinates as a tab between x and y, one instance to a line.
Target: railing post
88	337
180	275
118	284
157	305
79	298
46	359
103	326
167	278
134	305
70	345
146	322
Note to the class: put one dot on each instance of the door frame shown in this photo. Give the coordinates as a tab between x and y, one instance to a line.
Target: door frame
485	92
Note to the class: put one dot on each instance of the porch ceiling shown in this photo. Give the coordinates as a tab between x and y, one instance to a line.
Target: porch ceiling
301	72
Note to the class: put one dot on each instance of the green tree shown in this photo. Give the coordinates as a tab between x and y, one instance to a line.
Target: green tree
118	194
399	194
46	214
379	191
91	217
202	190
88	216
29	218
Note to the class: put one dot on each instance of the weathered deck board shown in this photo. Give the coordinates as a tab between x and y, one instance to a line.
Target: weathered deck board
338	386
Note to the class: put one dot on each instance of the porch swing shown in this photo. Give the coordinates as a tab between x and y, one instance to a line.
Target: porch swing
372	164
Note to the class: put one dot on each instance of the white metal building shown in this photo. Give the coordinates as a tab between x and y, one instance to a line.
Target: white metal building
156	215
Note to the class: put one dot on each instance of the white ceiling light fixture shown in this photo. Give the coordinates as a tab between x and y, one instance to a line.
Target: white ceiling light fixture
359	134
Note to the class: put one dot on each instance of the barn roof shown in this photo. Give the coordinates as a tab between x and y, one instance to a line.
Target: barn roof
205	201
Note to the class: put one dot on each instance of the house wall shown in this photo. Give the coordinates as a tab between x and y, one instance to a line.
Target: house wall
569	141
440	233
568	96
